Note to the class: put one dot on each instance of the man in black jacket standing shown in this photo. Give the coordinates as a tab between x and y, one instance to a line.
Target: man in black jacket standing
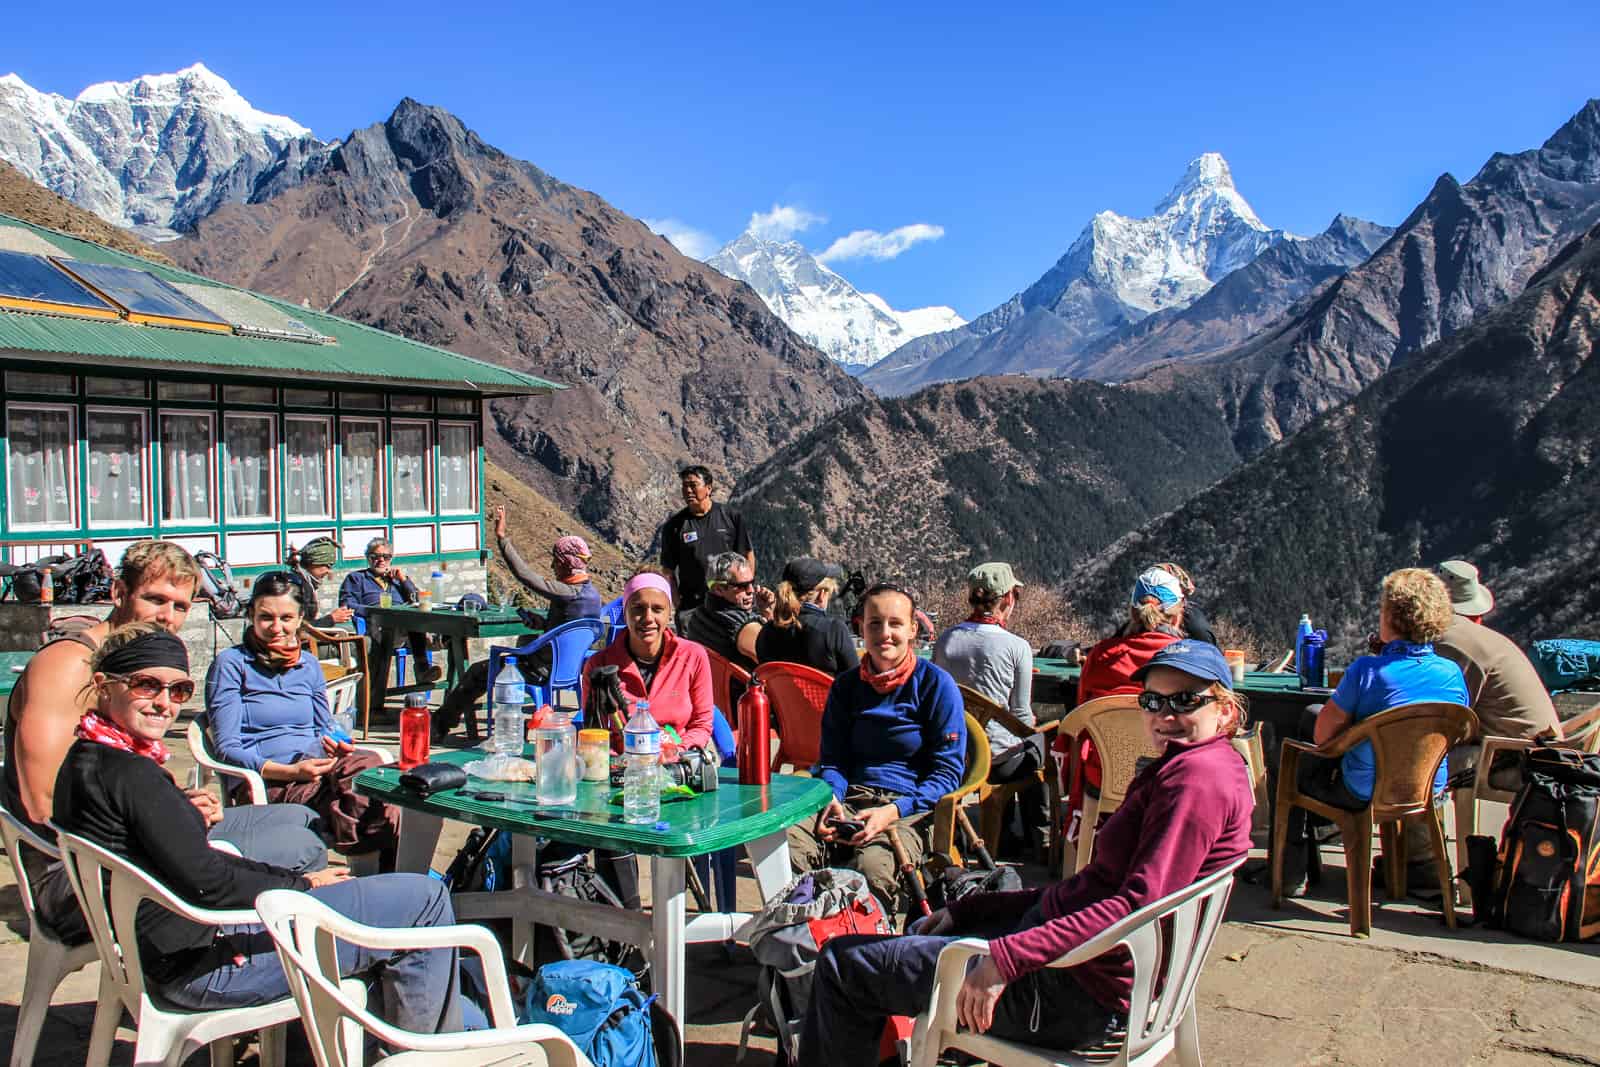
694	535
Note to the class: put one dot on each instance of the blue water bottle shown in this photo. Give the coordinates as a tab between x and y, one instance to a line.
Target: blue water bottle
1302	632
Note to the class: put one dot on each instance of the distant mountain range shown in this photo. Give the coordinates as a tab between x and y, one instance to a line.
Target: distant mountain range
152	155
856	329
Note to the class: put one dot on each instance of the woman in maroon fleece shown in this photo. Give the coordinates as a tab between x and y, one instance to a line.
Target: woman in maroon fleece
1186	815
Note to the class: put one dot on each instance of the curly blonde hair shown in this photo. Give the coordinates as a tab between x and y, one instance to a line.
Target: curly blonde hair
1418	604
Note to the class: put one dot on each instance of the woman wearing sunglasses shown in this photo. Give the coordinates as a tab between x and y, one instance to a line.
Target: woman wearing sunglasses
1186	815
113	791
268	705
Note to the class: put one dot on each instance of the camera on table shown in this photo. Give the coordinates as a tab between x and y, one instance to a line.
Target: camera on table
695	768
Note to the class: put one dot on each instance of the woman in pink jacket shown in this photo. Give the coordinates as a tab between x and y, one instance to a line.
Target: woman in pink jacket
654	664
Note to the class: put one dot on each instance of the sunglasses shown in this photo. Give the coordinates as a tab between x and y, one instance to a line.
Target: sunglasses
376	556
738	585
147	688
1178	703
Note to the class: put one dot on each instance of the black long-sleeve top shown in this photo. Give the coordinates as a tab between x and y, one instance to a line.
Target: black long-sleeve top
128	805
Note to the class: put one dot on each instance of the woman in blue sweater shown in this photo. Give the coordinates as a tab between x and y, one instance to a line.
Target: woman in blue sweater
268	706
894	740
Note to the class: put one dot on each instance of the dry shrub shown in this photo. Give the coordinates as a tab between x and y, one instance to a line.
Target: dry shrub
1256	649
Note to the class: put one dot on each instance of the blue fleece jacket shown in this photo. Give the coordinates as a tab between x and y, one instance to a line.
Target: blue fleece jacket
912	742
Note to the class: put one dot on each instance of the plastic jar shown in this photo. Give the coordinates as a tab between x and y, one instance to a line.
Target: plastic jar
594	748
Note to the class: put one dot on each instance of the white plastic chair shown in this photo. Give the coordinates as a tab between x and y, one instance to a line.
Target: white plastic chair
1166	970
49	959
307	933
110	890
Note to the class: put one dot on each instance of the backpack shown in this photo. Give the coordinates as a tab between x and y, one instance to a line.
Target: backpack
787	937
600	1007
217	586
954	883
1567	663
83	579
1544	882
24	580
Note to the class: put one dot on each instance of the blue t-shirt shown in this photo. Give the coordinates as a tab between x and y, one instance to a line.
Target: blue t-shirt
1403	673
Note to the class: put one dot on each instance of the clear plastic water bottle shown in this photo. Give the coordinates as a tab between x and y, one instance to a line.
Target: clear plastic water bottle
555	747
436	586
641	779
510	694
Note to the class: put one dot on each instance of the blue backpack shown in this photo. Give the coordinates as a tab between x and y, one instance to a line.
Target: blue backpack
600	1007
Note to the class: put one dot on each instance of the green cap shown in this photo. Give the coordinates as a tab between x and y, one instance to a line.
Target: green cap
320	551
992	578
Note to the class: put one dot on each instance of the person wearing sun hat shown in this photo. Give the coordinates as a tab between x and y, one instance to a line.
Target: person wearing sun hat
801	630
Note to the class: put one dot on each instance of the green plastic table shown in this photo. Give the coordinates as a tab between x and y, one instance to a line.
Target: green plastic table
11	664
755	817
386	625
1275	697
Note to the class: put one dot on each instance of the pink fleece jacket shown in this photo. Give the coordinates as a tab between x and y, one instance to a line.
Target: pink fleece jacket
680	694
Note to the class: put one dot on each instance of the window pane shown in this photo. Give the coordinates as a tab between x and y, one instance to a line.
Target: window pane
40	474
116	468
306	477
457	405
458	468
308	398
410	467
187	391
186	467
364	401
411	403
361	466
249	394
23	381
250	460
134	387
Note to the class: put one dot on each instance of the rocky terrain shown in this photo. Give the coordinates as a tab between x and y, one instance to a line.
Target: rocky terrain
32	202
416	225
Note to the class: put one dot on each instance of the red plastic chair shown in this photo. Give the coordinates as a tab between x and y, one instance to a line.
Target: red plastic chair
724	673
798	694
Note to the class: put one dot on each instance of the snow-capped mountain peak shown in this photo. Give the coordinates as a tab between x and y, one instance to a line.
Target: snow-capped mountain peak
151	154
856	329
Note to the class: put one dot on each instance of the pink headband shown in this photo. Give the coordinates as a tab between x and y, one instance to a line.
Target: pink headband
646	580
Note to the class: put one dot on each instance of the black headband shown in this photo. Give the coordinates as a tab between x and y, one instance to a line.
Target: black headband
159	649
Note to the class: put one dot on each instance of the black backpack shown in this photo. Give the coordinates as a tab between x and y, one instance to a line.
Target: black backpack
83	579
1544	880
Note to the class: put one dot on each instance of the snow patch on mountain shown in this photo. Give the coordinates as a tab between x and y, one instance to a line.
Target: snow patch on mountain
855	329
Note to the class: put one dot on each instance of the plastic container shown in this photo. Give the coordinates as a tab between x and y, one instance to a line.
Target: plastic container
594	748
1313	665
555	751
47	586
510	688
416	725
1235	658
344	725
641	779
755	736
436	586
424	599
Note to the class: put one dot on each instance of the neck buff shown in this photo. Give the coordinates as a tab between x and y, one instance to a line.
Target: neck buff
889	680
105	732
272	657
985	618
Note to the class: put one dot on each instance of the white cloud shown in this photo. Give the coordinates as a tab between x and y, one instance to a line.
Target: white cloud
696	244
782	222
871	244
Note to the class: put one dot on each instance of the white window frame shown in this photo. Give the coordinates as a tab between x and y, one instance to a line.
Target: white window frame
73	477
429	461
472	467
380	466
149	454
272	462
211	519
330	477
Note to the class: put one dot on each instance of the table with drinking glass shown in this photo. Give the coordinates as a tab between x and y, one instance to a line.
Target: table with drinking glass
387	626
733	815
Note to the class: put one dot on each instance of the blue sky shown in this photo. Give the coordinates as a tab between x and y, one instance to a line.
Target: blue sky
1004	127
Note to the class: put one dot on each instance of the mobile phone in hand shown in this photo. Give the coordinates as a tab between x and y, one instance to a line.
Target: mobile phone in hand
847	828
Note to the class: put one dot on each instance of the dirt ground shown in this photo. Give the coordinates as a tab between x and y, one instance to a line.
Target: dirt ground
1280	987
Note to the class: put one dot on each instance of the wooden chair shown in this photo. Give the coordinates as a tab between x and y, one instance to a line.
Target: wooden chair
798	694
724	672
1408	744
992	799
1116	727
1168	940
351	651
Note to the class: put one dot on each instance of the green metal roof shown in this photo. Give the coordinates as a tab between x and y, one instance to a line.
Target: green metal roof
361	354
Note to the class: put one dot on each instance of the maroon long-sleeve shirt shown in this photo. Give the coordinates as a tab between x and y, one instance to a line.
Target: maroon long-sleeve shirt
1185	816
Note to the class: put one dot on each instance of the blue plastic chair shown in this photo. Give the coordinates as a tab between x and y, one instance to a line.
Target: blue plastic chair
611	612
402	652
569	646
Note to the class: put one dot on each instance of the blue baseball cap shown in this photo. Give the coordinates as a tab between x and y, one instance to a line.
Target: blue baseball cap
1199	658
1158	585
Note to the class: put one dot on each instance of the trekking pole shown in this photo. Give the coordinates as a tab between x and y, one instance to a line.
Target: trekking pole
909	872
974	842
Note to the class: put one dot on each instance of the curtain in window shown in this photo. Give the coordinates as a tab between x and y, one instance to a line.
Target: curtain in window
410	468
116	468
186	467
306	477
250	461
41	466
361	452
458	469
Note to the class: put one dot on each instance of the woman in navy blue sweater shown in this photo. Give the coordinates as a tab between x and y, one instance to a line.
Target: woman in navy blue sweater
894	740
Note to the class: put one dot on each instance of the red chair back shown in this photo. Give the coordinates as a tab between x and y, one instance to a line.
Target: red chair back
724	673
798	694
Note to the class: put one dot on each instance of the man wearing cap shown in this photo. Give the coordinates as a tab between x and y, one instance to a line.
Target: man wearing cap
981	654
692	536
801	630
730	619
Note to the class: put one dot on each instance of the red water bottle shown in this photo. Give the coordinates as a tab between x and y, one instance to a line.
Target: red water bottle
415	727
755	736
